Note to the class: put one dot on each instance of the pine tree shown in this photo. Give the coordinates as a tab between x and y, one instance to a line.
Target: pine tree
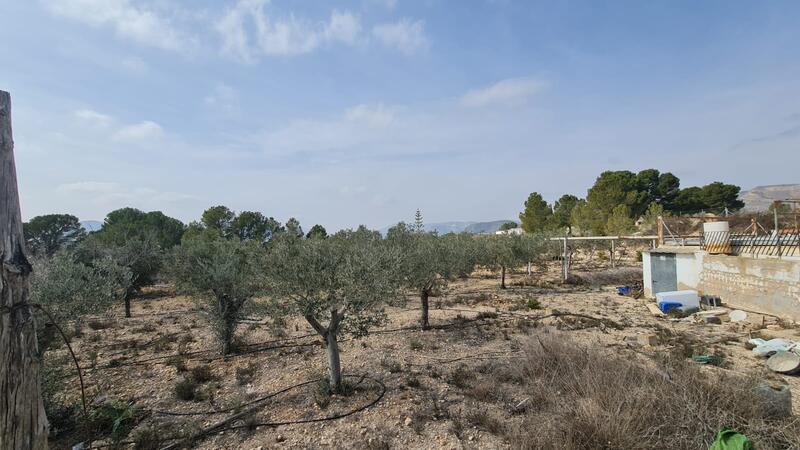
419	226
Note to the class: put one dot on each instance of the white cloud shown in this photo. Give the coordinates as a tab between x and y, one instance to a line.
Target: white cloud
94	118
88	187
282	37
376	116
510	92
143	131
136	23
343	27
405	35
109	193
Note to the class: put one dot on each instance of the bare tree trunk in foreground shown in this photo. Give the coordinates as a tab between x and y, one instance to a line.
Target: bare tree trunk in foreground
23	424
423	297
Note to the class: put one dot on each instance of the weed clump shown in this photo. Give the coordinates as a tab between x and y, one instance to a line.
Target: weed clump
588	399
186	389
246	374
202	374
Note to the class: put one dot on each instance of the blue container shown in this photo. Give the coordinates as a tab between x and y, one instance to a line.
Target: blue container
666	306
622	290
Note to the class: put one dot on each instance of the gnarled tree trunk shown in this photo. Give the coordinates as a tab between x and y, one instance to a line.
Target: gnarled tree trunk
23	424
503	277
330	333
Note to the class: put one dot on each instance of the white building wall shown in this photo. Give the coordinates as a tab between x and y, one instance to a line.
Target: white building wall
647	277
688	268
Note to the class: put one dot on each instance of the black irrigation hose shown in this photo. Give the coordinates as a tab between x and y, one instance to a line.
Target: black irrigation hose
224	424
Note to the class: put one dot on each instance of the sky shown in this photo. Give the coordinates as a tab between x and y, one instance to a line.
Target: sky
360	112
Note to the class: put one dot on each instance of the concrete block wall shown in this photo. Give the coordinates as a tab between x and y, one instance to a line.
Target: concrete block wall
770	286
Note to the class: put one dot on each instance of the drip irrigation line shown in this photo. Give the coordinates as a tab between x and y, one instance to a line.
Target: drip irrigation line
225	424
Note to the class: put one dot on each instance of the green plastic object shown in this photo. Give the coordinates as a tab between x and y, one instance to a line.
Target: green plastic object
707	359
728	439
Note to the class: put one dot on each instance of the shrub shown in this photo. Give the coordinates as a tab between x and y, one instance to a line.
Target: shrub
460	377
186	389
533	303
202	374
245	375
486	315
391	365
147	438
178	363
114	418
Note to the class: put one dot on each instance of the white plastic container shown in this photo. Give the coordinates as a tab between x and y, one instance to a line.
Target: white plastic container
717	237
685	298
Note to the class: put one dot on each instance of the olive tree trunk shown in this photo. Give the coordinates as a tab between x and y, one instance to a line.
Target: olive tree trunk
423	297
23	424
503	277
329	334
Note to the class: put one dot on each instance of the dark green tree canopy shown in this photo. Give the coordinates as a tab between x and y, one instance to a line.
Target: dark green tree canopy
124	223
562	211
719	196
47	234
293	227
317	232
537	214
508	226
218	218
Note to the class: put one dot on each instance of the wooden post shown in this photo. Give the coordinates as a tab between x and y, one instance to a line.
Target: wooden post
23	424
613	253
565	258
660	222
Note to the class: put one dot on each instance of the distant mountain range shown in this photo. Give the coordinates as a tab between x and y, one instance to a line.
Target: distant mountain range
458	227
761	197
91	225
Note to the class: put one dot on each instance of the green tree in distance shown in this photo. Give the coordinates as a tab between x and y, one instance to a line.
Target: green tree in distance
317	232
508	226
47	234
536	216
562	212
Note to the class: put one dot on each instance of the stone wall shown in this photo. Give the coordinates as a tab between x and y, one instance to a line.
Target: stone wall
770	286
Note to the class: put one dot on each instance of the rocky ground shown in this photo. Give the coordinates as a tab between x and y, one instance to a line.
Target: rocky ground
430	386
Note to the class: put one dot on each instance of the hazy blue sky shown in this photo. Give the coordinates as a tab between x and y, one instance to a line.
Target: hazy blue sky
344	113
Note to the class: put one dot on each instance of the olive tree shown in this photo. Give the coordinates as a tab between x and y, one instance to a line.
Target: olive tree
339	285
427	264
70	289
140	253
226	272
503	252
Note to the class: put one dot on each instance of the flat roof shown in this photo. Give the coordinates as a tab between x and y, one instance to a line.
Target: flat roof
676	250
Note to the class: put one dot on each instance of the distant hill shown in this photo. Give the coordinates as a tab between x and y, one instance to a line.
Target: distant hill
91	225
458	227
761	197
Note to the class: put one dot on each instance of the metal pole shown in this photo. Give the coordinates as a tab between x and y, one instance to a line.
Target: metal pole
777	230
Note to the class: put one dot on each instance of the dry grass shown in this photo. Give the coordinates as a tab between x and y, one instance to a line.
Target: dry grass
587	398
